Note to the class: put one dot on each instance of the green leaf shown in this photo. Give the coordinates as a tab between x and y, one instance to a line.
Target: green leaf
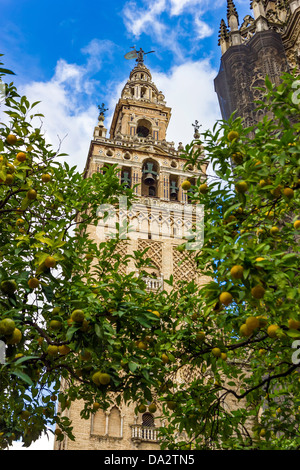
22	376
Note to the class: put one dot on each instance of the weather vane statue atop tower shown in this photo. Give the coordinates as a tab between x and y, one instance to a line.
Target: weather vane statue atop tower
138	55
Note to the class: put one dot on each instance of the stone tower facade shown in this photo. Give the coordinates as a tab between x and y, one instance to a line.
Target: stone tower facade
267	43
161	219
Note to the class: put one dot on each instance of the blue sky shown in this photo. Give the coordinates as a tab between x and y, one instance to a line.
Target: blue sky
70	55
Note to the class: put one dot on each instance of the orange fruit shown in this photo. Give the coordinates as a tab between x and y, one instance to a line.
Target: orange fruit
272	329
297	224
232	135
245	330
33	283
226	298
241	187
216	352
252	323
152	408
236	272
294	324
288	193
46	178
11	139
31	194
258	292
203	188
50	262
165	359
77	316
21	157
186	185
7	326
142	408
63	349
15	337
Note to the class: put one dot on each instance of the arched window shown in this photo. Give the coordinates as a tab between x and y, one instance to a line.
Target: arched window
114	423
144	128
148	420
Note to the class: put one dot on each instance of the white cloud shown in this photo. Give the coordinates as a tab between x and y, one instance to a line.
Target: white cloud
189	91
149	20
43	443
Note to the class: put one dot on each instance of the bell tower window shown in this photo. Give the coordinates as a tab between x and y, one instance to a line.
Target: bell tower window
143	128
150	178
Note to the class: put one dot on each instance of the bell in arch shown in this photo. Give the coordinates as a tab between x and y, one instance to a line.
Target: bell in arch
173	190
150	174
125	179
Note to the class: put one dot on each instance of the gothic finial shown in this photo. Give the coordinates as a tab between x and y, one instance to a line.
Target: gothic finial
223	32
231	10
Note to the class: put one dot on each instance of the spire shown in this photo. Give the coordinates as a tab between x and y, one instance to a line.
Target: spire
223	32
231	11
223	37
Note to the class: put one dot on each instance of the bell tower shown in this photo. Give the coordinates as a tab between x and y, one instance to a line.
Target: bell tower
265	43
161	220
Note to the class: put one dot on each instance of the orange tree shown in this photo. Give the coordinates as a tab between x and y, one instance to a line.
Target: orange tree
63	305
240	332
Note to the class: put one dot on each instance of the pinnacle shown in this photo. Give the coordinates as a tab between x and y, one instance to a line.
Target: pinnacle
231	9
223	31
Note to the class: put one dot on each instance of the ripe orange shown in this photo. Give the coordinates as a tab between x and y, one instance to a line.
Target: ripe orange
152	408
241	187
171	405
50	262
46	178
232	135
11	139
294	324
272	331
142	345
55	325
165	359
216	352
64	349
20	222
7	326
245	330
9	179
258	292
31	194
226	298
52	350
77	316
236	272
203	188
297	224
15	337
186	185
274	231
252	323
142	408
288	193
21	157
33	283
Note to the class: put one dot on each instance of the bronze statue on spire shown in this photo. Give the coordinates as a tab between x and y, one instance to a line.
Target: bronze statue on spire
138	55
